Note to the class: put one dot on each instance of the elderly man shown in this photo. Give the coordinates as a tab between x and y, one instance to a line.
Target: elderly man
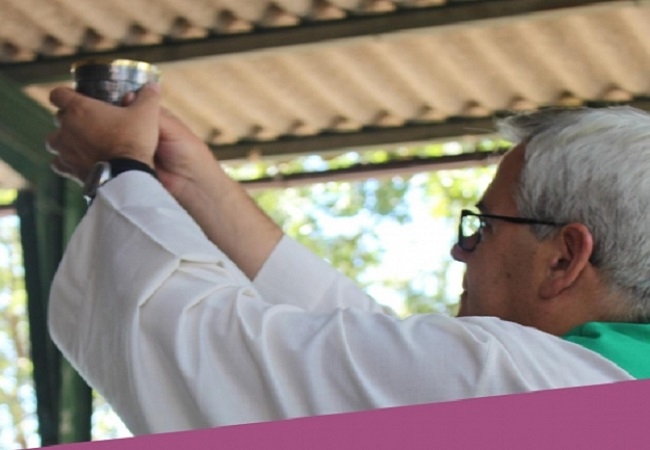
186	307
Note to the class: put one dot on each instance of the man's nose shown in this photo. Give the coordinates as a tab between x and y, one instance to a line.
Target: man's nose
458	253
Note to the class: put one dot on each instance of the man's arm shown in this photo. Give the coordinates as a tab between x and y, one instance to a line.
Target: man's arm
184	164
221	206
282	269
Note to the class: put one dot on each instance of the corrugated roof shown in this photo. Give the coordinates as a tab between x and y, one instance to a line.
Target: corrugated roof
258	91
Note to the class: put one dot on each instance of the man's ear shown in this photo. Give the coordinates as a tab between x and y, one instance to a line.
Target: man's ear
569	255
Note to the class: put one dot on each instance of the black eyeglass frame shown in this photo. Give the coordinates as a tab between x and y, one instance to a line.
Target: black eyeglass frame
462	239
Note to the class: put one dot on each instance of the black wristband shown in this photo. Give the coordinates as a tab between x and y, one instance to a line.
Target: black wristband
121	165
104	171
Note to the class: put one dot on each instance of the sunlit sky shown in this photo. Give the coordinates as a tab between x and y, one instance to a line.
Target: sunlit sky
411	250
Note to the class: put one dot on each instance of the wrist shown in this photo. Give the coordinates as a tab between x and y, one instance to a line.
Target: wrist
201	184
104	171
125	164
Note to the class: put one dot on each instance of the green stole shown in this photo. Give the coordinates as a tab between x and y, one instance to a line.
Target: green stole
625	344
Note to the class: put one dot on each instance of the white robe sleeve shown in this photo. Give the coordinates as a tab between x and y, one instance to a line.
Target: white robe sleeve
294	274
166	328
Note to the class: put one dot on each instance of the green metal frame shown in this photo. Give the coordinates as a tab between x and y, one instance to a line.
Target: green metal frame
48	210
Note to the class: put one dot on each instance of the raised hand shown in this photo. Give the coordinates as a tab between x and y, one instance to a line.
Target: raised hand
91	130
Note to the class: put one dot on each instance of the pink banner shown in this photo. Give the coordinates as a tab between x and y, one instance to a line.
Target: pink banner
609	416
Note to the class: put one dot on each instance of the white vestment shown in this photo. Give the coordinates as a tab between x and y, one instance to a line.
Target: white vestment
175	337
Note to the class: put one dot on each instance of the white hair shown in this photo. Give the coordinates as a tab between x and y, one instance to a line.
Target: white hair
592	166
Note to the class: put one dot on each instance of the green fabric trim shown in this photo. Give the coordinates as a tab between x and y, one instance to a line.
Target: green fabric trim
625	344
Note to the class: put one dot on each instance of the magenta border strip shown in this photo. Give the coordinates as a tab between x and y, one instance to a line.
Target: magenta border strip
608	416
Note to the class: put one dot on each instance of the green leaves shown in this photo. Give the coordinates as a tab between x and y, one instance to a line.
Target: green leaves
16	385
346	222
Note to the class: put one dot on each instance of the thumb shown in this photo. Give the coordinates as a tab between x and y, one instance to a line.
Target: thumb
147	97
170	125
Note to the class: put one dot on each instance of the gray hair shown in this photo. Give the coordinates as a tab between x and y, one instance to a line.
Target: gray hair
592	166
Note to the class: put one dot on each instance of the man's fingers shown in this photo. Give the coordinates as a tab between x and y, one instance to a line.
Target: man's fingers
58	117
53	142
93	130
59	168
169	122
128	98
147	97
62	96
65	171
50	148
68	171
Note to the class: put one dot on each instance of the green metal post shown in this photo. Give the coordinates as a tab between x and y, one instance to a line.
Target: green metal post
47	217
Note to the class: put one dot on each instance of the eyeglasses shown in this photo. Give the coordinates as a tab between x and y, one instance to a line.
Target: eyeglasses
470	229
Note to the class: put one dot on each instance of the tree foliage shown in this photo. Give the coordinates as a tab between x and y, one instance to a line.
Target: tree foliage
17	398
340	221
